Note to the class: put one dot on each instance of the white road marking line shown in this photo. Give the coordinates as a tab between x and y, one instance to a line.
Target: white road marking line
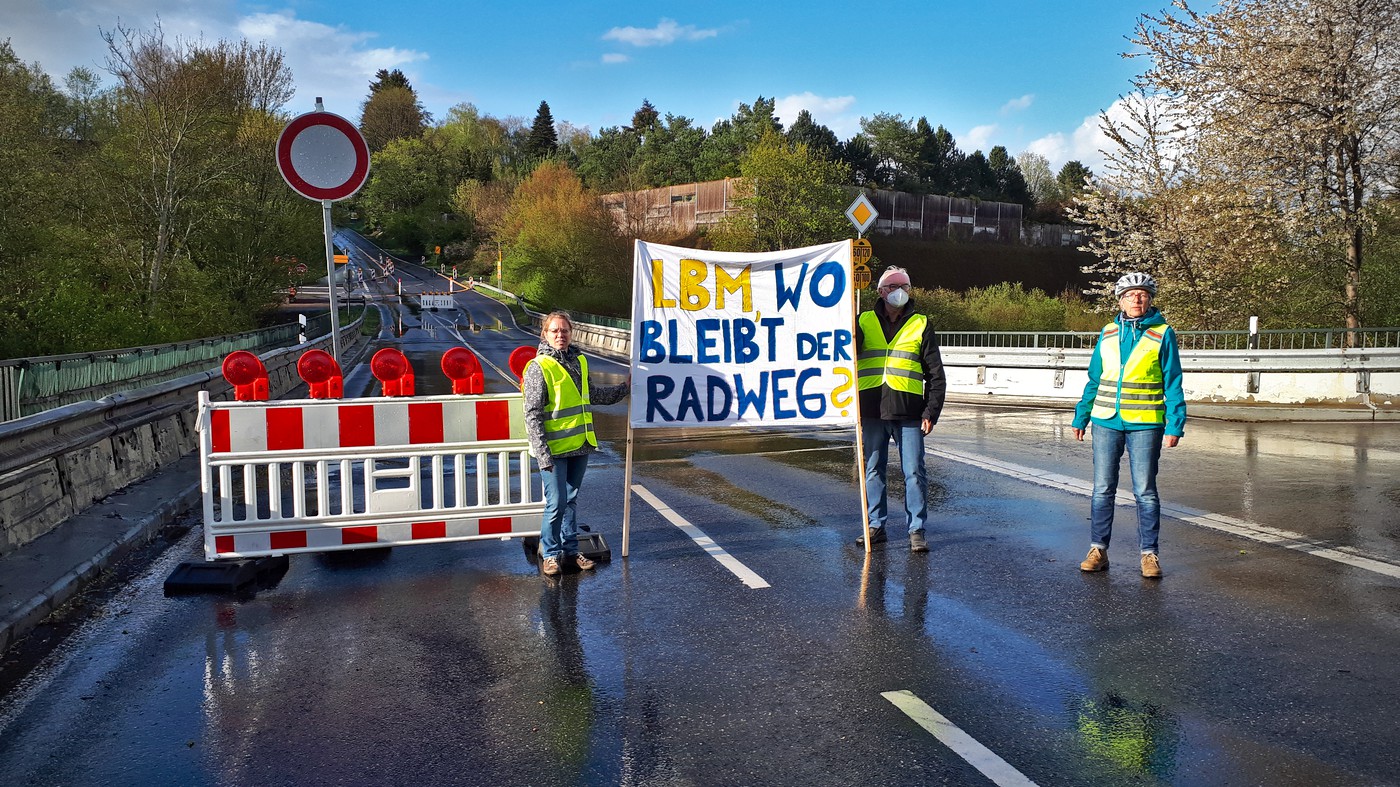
743	572
965	746
1218	522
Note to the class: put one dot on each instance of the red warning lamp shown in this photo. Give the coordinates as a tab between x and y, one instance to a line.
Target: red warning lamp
246	373
322	375
520	357
464	370
391	368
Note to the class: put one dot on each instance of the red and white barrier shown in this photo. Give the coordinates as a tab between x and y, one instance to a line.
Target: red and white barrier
321	475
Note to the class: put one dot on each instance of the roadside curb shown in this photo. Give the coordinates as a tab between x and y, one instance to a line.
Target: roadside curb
43	575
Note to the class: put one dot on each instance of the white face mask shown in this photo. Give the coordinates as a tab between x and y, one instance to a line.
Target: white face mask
897	298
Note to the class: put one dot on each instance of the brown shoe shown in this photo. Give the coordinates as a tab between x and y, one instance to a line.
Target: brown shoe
1096	561
1151	567
550	566
585	563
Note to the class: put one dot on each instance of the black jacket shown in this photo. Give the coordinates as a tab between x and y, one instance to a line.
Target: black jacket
891	405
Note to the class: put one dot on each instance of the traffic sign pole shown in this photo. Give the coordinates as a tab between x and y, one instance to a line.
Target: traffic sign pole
330	279
862	215
322	156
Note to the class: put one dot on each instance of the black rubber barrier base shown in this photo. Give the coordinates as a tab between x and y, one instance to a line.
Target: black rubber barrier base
225	576
590	545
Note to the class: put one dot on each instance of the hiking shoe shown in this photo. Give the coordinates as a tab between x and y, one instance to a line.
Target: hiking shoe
550	566
584	563
877	536
1097	560
917	542
1151	567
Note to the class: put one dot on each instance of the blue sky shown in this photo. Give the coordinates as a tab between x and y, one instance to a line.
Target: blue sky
1020	73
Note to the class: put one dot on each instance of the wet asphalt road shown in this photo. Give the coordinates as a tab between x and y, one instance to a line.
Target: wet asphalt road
1259	659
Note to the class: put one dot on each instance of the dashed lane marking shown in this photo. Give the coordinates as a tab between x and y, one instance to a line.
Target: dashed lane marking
1254	531
965	746
743	572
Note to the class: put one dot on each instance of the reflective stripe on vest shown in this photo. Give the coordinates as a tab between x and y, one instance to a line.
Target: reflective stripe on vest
1135	391
570	424
898	365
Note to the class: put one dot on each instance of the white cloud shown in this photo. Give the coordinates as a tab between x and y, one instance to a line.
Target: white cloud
667	31
335	63
830	111
977	138
1086	143
615	57
1053	147
1017	104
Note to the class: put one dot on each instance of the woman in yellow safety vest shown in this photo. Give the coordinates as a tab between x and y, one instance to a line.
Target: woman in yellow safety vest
1135	401
559	425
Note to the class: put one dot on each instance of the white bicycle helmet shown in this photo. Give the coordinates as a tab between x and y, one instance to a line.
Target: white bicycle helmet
1135	281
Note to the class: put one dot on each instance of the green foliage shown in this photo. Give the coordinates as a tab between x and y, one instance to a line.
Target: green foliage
562	247
790	199
1010	307
820	140
669	151
473	146
945	309
731	139
895	148
611	161
1072	177
1000	307
96	253
1380	279
543	140
392	111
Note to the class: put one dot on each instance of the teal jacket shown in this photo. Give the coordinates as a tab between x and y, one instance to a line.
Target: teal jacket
1129	332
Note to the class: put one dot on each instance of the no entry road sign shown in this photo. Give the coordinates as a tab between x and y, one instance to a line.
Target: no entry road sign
322	156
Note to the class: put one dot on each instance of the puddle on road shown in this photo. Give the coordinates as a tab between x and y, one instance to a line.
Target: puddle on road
1137	736
761	507
651	445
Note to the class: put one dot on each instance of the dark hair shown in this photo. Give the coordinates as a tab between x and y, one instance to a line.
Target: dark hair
548	318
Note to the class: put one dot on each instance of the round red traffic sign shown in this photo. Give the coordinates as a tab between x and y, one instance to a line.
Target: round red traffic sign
323	156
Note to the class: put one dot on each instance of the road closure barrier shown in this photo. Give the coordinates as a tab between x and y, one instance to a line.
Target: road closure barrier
319	475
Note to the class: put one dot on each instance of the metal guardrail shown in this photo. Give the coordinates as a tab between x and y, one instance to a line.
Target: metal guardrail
60	461
34	385
1273	339
1264	360
1020	339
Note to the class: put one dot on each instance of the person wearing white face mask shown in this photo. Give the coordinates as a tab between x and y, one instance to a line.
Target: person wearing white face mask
902	387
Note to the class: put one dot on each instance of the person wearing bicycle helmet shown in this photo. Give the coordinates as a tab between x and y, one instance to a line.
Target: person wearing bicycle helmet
1135	402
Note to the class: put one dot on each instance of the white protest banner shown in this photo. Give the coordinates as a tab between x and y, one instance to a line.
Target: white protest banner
732	339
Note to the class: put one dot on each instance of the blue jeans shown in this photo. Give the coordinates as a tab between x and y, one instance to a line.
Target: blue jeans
1144	450
559	526
876	433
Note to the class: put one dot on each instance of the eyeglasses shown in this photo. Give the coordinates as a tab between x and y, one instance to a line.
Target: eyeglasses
1135	295
893	287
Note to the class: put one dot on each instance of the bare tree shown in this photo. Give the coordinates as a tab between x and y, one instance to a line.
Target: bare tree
1154	209
1294	102
181	107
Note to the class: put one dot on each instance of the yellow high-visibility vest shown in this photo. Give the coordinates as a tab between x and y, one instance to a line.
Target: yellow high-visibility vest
1134	391
570	423
897	364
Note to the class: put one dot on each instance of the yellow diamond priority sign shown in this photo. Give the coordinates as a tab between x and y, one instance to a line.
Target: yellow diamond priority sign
861	213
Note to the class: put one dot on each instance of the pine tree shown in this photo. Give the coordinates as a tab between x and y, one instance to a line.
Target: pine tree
543	140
